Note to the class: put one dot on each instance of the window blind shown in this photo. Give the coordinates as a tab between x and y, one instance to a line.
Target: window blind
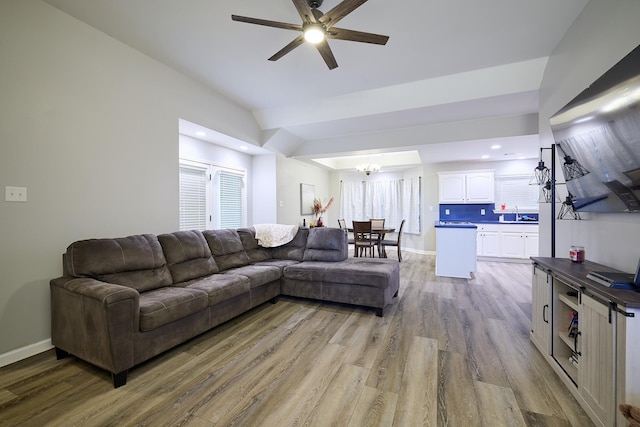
231	200
515	191
193	197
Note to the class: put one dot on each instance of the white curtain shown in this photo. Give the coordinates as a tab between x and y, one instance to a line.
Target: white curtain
352	201
392	200
411	204
382	200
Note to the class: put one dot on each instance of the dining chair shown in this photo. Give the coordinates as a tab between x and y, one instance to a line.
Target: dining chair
384	242
362	238
377	224
342	223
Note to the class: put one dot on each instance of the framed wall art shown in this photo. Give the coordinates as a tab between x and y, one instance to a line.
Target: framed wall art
307	194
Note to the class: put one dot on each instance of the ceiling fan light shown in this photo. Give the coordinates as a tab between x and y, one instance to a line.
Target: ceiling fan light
314	34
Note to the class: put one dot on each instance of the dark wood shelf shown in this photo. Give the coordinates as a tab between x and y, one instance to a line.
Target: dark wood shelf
576	274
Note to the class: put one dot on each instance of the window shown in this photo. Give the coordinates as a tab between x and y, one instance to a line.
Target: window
211	196
193	196
230	199
515	191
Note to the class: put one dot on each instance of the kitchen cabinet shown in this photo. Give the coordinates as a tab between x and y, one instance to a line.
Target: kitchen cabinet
507	240
531	243
488	240
466	187
588	335
519	242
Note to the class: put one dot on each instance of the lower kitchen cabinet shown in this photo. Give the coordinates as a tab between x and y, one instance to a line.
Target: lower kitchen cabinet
588	334
488	241
507	240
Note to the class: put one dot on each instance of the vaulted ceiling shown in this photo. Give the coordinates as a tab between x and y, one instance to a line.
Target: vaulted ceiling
455	77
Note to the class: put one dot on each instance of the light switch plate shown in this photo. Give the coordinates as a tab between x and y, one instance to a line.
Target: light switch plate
482	212
15	194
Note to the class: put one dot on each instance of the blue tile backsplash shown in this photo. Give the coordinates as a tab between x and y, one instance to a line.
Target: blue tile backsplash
472	213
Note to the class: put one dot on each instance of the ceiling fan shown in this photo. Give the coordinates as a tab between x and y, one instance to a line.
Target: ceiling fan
317	27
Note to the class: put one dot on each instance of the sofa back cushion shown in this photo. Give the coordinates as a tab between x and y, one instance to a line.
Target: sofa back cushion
255	252
294	250
134	261
226	248
188	255
326	244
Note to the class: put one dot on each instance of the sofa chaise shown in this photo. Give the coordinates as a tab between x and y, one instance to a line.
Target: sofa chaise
122	301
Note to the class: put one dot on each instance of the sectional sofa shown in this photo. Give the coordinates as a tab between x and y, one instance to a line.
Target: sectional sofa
122	301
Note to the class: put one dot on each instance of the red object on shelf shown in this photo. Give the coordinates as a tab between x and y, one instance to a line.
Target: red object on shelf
576	254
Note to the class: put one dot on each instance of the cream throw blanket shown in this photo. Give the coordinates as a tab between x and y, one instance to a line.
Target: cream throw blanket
272	235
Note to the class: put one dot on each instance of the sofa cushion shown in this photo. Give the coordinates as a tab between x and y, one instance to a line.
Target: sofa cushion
294	250
326	244
134	261
220	287
280	263
255	252
188	255
161	306
226	248
376	273
258	274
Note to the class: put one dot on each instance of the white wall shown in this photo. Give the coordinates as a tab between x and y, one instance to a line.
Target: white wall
90	127
291	173
265	210
604	33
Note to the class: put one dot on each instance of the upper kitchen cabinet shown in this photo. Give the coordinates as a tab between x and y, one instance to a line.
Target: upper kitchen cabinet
466	187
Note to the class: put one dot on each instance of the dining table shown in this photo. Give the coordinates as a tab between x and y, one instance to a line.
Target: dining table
380	232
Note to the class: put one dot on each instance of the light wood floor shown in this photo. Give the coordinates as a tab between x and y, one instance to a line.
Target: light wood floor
448	352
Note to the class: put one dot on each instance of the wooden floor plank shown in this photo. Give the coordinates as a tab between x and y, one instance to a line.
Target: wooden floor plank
375	408
498	406
457	400
418	397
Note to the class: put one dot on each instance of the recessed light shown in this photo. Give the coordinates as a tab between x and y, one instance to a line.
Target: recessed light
200	133
495	147
486	156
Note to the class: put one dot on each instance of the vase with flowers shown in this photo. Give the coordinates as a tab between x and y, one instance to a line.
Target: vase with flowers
318	210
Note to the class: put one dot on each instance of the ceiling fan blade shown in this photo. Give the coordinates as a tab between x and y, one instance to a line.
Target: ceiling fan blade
267	23
288	48
356	36
327	55
305	11
332	17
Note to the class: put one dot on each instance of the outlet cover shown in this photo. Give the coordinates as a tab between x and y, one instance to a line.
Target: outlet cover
15	194
482	212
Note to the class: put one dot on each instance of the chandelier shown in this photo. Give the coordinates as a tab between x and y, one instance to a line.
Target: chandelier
367	168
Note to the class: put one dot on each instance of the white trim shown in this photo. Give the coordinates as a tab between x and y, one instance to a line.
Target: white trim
25	352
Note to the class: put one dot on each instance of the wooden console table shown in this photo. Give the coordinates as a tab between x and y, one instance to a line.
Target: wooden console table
589	334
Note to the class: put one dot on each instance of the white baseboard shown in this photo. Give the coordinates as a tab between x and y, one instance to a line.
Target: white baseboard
24	352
